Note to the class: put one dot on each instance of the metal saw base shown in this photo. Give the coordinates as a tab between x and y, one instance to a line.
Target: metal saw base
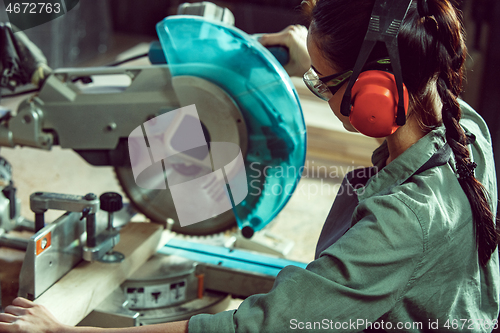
164	289
112	314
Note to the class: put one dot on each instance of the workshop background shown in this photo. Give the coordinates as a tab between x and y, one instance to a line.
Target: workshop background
94	33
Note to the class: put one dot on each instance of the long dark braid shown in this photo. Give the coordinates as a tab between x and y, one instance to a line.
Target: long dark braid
440	19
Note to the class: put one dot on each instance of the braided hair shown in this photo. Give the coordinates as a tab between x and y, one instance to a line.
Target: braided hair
432	53
452	52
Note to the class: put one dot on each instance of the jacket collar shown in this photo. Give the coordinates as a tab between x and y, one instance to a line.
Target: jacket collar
429	151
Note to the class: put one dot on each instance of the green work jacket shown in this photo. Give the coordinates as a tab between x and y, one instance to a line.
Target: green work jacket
408	261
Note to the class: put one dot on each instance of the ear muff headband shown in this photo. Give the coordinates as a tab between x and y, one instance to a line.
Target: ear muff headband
385	21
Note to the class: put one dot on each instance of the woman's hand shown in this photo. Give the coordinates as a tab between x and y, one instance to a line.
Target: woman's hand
24	316
295	38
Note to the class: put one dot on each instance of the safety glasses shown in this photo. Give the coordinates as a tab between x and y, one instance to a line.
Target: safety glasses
326	87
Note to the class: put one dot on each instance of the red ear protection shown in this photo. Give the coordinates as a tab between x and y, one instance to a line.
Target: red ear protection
375	103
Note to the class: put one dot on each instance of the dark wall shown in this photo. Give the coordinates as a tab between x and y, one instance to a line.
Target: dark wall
85	31
251	16
489	103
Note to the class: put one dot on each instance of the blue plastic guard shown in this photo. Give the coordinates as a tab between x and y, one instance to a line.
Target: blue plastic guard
262	90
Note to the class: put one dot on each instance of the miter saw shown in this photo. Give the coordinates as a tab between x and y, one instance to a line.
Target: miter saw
242	95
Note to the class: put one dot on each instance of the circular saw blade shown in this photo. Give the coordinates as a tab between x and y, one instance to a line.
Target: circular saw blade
244	97
158	206
266	97
221	121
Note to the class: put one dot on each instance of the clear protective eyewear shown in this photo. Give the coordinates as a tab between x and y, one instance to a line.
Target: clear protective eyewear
325	87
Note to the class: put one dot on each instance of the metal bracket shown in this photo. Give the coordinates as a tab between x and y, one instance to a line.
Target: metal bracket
51	253
57	247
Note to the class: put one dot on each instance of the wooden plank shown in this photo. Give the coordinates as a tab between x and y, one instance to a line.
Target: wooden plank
10	262
328	147
88	284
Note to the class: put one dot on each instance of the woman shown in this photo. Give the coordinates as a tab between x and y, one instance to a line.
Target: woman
419	250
